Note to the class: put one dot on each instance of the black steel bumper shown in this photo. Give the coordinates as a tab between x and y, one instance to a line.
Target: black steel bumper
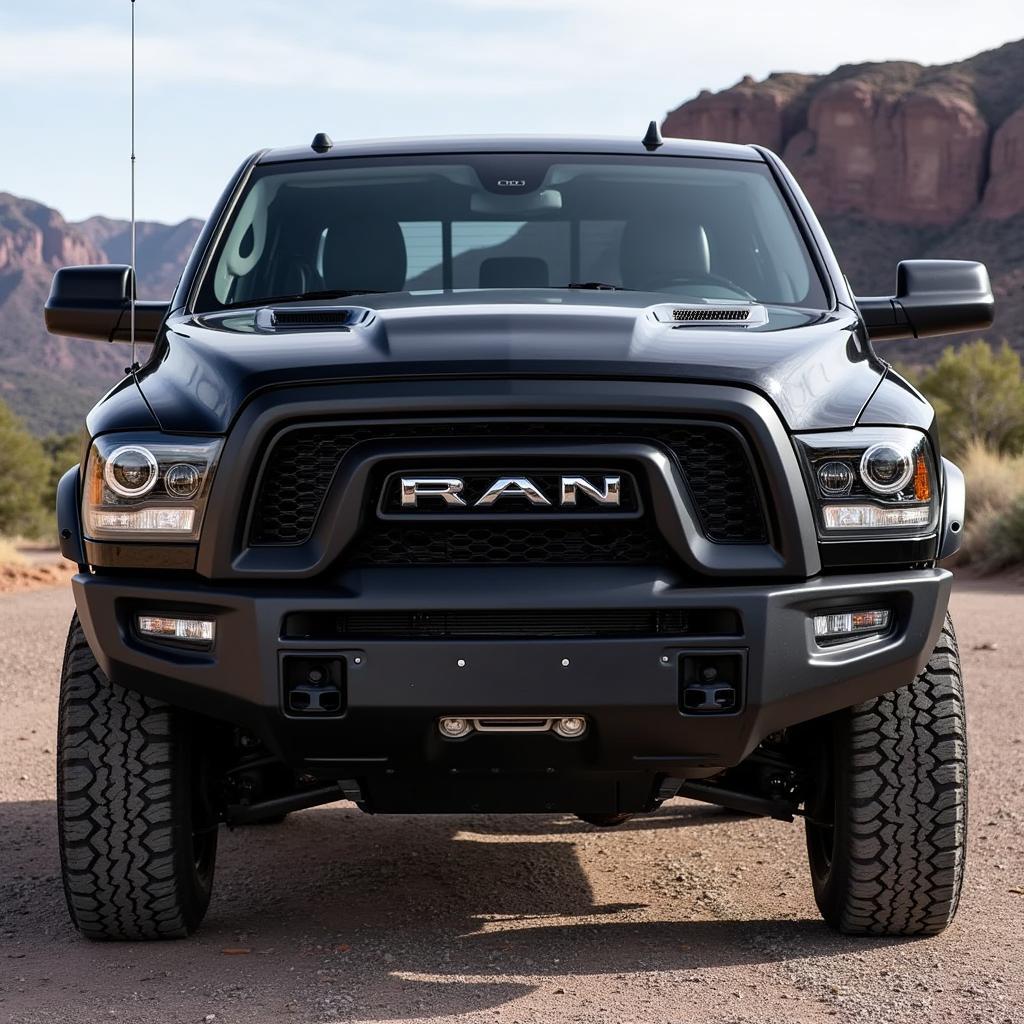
628	688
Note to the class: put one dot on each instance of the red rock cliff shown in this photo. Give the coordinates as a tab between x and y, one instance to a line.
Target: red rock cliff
896	142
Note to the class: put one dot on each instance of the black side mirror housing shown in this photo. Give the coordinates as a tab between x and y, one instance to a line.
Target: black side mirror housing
933	297
94	303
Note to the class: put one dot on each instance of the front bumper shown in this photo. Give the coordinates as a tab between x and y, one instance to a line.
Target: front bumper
628	688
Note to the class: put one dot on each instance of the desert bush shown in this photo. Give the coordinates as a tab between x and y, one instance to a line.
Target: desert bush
978	394
994	530
1008	542
9	553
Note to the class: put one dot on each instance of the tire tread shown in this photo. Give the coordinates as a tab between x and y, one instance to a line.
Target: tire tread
906	805
118	804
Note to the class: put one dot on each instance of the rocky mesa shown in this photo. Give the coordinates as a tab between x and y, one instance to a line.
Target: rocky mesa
899	161
52	382
896	142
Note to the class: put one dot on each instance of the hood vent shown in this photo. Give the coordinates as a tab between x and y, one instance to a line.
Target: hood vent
686	315
309	318
707	314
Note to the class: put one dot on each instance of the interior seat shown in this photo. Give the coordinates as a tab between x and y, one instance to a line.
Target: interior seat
654	253
514	272
365	254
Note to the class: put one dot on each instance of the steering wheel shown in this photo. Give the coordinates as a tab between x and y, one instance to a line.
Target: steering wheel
724	282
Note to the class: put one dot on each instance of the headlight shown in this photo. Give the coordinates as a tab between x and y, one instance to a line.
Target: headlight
872	481
147	487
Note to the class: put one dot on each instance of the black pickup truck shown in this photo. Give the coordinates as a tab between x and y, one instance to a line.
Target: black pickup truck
512	475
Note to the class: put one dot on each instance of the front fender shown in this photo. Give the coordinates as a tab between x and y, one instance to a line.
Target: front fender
69	520
954	502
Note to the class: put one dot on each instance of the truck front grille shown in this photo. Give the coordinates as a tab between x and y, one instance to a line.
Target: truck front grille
713	460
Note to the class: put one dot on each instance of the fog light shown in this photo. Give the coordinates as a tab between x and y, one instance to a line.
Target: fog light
182	480
201	631
571	727
840	625
871	517
455	728
835	479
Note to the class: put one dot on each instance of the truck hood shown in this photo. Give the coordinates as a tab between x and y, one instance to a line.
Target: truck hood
810	365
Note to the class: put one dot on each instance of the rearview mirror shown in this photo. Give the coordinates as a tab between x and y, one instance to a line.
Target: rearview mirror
933	297
94	302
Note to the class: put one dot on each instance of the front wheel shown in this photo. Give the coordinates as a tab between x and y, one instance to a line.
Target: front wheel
137	837
887	828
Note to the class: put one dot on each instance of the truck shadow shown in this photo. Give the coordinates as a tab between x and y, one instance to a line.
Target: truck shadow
355	917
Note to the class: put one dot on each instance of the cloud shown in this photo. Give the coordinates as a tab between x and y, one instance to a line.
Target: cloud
384	60
480	48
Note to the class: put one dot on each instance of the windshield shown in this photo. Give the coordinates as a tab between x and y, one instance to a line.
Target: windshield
683	228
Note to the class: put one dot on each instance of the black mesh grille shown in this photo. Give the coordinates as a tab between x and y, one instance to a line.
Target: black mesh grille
547	543
689	315
712	458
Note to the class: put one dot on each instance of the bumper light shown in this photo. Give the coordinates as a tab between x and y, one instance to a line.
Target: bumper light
873	517
842	625
148	520
200	631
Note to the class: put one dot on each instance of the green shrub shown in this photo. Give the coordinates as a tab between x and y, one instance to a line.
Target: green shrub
24	477
62	452
978	394
29	472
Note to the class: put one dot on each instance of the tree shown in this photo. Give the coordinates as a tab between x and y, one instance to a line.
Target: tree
62	452
24	476
978	395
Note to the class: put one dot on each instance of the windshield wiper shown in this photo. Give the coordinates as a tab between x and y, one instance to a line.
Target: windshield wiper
597	286
331	293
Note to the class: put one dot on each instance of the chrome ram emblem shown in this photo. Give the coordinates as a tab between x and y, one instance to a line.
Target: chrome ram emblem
447	492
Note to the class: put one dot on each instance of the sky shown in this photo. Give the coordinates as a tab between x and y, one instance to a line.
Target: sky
219	79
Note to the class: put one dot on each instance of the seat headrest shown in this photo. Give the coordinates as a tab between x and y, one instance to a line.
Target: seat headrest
514	272
365	254
653	252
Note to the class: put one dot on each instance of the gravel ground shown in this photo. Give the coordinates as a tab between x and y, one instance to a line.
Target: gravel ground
688	914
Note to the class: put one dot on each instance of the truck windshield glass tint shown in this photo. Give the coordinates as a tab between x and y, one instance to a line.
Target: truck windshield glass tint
683	228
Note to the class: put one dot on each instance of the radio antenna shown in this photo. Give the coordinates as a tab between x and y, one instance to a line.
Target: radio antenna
131	259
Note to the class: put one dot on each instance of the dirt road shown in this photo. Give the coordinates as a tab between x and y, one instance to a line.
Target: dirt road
686	915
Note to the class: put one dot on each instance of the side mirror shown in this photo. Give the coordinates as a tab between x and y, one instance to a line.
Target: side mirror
933	297
93	302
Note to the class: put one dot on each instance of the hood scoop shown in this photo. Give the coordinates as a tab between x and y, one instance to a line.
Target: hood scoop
712	314
310	318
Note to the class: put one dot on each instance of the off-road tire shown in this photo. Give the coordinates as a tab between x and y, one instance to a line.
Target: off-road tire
887	831
137	842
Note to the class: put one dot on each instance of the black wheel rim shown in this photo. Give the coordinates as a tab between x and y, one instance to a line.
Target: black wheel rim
821	811
204	821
